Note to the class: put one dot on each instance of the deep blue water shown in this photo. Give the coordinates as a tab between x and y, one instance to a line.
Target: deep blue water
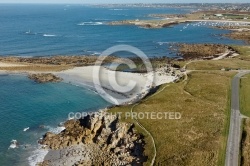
40	30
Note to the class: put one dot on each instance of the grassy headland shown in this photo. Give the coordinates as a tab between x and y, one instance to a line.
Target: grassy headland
240	62
168	20
200	135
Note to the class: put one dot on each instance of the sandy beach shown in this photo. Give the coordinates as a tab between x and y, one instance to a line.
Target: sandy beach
111	81
83	76
3	64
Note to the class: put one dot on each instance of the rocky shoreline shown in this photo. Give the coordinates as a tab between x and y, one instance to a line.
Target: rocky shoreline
75	61
244	34
204	51
237	32
147	24
97	139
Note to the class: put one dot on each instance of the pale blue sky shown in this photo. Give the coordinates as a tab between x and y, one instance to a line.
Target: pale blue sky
123	1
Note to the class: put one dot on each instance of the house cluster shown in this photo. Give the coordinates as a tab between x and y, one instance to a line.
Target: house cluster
225	16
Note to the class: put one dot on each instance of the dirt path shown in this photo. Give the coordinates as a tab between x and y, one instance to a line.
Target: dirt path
142	127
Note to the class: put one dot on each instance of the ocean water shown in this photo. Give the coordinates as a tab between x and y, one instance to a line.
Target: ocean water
38	30
41	30
41	107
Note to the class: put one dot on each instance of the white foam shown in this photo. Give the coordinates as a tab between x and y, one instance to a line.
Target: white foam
102	19
94	52
162	43
30	33
56	130
122	41
37	156
13	144
48	35
69	118
25	129
90	23
118	9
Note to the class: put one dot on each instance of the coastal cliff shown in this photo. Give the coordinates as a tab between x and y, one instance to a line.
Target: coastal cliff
97	139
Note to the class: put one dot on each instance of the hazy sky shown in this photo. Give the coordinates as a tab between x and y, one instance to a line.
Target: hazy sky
123	1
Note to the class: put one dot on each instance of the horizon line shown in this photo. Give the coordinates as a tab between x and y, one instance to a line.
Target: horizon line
124	3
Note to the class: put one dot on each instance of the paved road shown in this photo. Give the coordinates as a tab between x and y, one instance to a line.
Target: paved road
233	144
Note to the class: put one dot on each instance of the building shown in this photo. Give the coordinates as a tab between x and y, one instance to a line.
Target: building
218	15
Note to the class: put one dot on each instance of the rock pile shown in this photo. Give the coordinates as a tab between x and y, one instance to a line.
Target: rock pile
102	139
44	78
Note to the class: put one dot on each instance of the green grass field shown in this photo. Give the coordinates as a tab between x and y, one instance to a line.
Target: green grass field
245	95
240	62
245	110
245	143
199	137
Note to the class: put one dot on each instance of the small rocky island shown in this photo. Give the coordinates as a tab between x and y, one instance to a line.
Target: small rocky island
97	139
44	78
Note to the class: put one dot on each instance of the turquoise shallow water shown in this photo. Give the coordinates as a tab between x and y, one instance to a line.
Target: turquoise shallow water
24	103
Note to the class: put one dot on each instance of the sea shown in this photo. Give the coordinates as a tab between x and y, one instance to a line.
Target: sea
28	109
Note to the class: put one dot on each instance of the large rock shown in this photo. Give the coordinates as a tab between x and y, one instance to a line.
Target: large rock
44	78
108	141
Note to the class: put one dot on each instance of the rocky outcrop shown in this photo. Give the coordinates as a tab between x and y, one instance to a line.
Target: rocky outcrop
103	141
234	28
237	32
172	16
203	51
44	78
57	60
244	34
146	24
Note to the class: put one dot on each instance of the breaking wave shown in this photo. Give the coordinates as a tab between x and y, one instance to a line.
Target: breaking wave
90	23
48	35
